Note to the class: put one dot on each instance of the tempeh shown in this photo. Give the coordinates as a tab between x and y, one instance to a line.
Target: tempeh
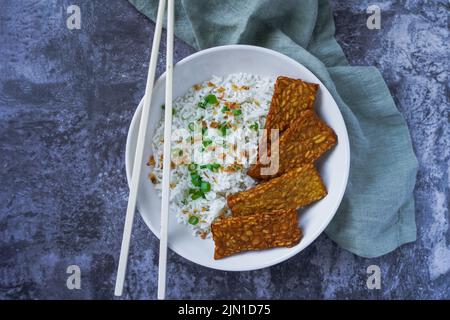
292	190
288	101
255	232
304	142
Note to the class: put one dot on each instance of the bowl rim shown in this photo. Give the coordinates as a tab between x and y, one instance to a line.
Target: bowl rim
342	140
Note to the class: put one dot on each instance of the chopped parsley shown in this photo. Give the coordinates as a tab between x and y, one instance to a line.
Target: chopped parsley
223	127
254	126
206	142
210	99
214	167
237	112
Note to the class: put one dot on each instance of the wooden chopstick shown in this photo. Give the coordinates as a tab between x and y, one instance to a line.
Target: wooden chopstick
167	152
138	157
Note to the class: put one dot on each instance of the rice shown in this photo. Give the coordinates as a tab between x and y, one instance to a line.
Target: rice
214	141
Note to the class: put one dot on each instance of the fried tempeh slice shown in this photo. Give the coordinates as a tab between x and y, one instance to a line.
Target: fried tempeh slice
282	83
255	232
289	98
292	190
304	142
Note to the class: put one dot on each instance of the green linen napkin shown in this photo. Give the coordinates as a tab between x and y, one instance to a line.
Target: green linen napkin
377	213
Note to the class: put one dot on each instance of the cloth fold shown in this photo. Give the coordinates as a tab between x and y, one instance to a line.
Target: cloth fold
377	213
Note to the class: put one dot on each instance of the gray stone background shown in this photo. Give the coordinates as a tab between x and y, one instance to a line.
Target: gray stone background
66	101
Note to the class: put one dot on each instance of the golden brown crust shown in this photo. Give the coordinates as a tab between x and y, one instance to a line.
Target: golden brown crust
304	142
255	232
289	98
282	83
292	190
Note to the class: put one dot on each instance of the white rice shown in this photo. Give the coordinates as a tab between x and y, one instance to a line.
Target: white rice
252	94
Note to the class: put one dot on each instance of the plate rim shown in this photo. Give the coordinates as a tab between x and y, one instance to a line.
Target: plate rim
342	140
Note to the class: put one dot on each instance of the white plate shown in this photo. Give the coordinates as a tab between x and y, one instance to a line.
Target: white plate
334	167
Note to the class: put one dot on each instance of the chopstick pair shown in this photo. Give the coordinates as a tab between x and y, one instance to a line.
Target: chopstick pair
139	159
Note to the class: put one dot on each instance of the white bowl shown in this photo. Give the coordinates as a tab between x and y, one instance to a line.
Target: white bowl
334	167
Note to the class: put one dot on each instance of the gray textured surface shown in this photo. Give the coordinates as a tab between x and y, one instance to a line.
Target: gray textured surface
67	98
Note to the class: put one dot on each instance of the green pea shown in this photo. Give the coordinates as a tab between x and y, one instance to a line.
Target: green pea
205	186
192	167
193	220
198	194
196	179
